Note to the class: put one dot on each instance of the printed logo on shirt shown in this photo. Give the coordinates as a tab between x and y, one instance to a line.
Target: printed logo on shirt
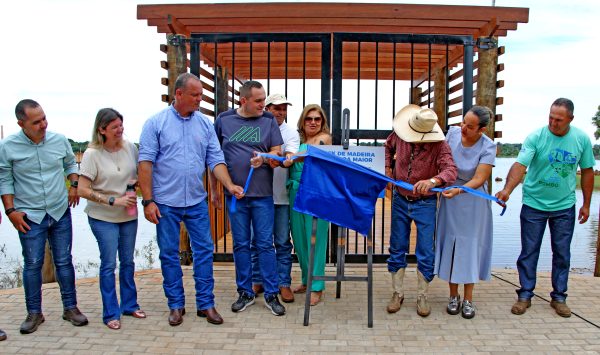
563	163
246	134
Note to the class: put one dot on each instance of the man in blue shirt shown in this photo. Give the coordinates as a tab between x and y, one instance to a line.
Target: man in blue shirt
175	146
33	163
552	154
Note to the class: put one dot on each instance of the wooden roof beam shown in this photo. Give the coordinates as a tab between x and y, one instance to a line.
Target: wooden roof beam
453	56
488	29
176	27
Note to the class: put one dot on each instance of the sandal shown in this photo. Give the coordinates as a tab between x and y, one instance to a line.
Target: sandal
300	289
138	314
114	324
315	297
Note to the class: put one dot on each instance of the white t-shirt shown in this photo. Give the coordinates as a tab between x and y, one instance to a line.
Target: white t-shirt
110	174
291	143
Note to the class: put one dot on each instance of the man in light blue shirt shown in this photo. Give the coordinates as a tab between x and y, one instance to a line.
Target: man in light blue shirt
176	145
33	164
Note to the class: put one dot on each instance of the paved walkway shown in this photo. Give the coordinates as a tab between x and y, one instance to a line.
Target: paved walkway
337	325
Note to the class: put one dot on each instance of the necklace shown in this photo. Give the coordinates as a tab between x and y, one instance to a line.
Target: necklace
115	161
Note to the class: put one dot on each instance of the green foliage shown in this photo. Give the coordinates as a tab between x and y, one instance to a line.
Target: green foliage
508	150
78	146
596	122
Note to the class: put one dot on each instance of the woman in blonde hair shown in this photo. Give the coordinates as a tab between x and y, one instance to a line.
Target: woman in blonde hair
108	165
314	130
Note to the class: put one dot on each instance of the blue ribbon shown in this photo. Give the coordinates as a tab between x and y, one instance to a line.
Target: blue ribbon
402	184
233	199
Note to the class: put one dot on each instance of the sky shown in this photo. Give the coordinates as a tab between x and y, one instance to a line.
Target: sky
75	57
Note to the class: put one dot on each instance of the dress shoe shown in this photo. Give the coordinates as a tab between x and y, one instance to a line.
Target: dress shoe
31	323
300	289
114	324
137	314
176	316
2	335
75	316
257	289
287	295
211	315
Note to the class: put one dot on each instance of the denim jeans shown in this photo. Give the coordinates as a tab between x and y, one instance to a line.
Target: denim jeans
113	238
423	213
60	237
283	248
256	213
533	225
197	223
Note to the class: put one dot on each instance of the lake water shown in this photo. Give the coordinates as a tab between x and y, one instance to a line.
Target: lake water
505	250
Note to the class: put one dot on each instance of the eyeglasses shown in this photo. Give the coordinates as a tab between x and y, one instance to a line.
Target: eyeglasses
313	119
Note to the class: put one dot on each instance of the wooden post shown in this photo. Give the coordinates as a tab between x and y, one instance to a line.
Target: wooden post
48	274
222	90
486	81
487	74
176	61
439	96
176	65
416	95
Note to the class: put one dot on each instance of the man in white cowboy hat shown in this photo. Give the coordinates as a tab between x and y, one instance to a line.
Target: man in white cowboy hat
277	104
417	153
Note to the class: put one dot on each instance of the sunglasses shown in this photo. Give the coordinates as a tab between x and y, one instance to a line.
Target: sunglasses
313	119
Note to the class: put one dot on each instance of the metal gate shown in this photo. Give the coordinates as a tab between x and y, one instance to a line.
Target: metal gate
370	66
278	61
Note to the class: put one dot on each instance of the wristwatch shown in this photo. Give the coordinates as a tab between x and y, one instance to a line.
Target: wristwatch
75	183
147	202
433	181
111	200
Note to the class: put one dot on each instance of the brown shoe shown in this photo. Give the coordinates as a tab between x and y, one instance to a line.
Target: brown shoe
75	316
211	315
287	295
176	316
315	297
258	289
561	308
300	289
520	307
31	323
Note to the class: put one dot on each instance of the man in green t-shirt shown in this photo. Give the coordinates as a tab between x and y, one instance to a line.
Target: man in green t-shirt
552	155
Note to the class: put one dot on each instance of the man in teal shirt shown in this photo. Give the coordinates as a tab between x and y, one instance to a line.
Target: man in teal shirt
552	154
33	164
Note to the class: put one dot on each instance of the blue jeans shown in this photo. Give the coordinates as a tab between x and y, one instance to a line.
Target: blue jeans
113	238
60	236
533	225
422	212
283	248
197	223
256	213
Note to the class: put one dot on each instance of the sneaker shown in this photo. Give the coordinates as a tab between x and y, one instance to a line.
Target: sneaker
242	302
423	308
273	304
561	308
468	309
453	305
395	303
31	323
520	306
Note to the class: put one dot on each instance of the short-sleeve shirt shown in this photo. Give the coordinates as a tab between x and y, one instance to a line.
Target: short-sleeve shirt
552	166
240	137
291	140
467	159
110	173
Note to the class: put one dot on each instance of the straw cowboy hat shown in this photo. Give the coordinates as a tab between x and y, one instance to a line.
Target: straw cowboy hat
414	124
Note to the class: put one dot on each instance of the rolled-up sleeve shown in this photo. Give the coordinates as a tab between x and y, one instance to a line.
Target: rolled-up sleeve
6	175
214	154
149	145
447	168
69	163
